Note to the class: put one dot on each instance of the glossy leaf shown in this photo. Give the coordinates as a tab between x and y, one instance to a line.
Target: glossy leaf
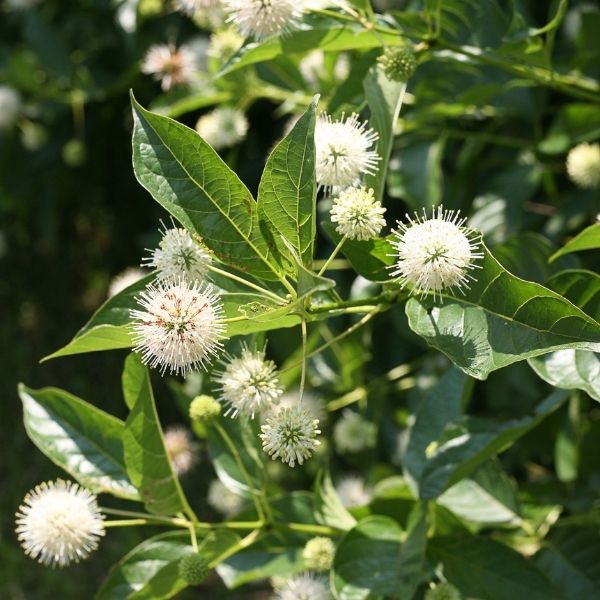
579	286
588	239
500	320
80	438
328	508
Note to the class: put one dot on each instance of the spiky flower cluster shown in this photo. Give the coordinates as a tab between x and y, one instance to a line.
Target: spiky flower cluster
204	409
193	569
353	492
59	523
353	433
357	214
249	383
398	64
181	449
303	587
318	554
343	151
179	327
10	106
178	256
222	499
124	279
223	127
436	254
290	435
263	18
583	165
170	65
224	44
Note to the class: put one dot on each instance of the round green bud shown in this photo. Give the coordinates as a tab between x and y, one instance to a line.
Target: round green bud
318	554
74	153
204	409
443	591
398	64
193	569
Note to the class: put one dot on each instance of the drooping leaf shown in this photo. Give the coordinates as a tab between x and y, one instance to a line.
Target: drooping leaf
287	190
146	458
189	179
588	239
500	320
328	508
80	438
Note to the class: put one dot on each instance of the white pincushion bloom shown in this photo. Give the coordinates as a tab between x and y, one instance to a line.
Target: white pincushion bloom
318	554
191	7
223	127
10	106
178	256
291	435
124	279
59	523
353	492
583	165
180	326
353	433
222	499
357	214
433	255
181	449
249	383
172	66
303	587
311	402
343	153
263	18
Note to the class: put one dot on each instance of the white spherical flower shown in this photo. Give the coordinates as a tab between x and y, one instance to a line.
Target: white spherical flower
124	279
178	256
343	151
172	66
10	106
224	44
318	554
290	435
353	433
303	587
191	7
59	523
263	18
180	326
583	165
433	255
222	499
223	127
353	492
249	383
311	402
357	214
181	449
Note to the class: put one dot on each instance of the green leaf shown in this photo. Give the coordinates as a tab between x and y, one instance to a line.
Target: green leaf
588	239
372	559
189	179
384	98
483	568
81	439
151	570
328	508
145	455
566	447
579	286
570	557
500	320
287	190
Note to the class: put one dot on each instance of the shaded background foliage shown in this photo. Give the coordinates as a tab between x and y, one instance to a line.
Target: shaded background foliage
475	137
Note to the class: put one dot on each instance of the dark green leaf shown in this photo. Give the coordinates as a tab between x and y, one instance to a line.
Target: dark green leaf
588	239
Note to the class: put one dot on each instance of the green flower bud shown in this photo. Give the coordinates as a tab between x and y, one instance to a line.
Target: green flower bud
193	569
204	409
398	64
443	591
318	554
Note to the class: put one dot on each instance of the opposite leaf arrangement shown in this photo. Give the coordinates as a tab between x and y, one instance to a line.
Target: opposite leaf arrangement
231	266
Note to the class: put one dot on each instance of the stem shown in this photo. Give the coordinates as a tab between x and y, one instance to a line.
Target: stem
303	372
332	256
247	283
243	543
145	516
336	265
310	529
127	523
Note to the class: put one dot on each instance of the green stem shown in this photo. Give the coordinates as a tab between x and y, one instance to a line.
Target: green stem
127	523
157	519
303	371
332	256
243	543
309	529
249	284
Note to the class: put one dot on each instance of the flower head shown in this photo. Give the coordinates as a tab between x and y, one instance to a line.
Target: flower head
181	449
311	402
179	327
318	554
343	152
224	44
353	433
398	64
433	255
172	66
290	435
193	569
223	127
583	165
353	492
178	256
303	587
222	499
10	106
204	409
59	522
249	383
124	279
263	18
357	214
191	7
